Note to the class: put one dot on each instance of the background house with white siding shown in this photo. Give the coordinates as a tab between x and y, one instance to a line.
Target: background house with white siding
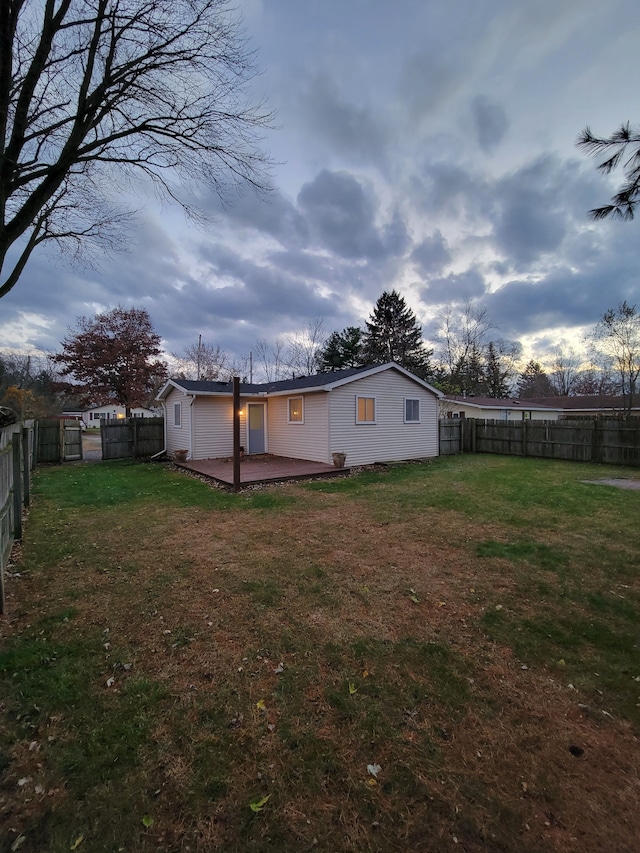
114	412
372	414
497	408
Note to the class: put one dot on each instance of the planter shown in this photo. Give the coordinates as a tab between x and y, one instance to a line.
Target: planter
180	455
339	459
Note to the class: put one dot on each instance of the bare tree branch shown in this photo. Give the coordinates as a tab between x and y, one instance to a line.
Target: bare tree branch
90	89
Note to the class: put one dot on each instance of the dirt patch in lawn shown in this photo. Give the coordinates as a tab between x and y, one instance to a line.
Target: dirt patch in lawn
618	483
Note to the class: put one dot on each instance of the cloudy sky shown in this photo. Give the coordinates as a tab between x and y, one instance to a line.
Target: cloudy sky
426	145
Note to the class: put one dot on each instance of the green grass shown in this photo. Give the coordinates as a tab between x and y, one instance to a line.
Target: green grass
176	653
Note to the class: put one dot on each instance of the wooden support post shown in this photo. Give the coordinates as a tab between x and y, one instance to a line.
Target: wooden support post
17	486
26	470
236	433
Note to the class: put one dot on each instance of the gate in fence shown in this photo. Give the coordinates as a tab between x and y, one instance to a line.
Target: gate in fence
59	439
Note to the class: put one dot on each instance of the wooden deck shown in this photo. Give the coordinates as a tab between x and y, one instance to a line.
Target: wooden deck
264	468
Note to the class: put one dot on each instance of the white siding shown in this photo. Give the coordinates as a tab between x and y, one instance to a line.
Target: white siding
308	440
178	437
213	426
390	438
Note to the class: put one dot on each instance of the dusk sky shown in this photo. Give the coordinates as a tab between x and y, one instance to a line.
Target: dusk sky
422	145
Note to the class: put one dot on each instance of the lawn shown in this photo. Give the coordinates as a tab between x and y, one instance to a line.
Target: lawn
430	657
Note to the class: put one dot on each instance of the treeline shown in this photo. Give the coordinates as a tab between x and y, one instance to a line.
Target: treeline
116	357
28	385
467	355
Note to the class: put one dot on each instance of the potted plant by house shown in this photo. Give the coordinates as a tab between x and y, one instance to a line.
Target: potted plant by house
339	459
180	455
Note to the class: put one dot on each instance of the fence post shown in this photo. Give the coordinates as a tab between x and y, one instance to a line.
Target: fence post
134	422
525	436
26	470
17	486
596	450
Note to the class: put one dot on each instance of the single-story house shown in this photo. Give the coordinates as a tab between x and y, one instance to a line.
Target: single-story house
592	405
499	409
112	412
371	414
537	409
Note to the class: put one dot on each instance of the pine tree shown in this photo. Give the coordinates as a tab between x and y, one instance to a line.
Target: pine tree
496	374
342	349
534	382
394	334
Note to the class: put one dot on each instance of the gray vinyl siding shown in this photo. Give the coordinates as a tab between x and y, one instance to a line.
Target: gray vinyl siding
178	438
390	438
308	440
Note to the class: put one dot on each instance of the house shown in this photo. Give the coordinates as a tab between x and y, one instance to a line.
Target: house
592	405
500	409
92	417
372	414
537	409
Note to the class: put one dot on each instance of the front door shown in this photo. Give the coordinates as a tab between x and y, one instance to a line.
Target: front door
255	428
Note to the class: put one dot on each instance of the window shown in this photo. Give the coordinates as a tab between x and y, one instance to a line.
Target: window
296	410
177	414
365	410
411	411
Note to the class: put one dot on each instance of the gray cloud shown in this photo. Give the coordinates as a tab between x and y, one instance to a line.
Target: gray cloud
341	212
454	288
349	129
432	254
490	122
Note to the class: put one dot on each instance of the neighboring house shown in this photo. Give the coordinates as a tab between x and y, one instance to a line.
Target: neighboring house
538	409
491	408
372	414
591	406
110	411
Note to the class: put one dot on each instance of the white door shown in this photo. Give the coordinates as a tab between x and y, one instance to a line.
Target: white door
255	428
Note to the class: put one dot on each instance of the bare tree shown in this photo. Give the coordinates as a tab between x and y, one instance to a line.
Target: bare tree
615	148
305	347
94	90
565	366
272	359
616	337
202	361
459	334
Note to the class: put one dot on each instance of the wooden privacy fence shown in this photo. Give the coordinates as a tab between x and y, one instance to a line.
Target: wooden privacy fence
16	461
59	439
611	441
133	437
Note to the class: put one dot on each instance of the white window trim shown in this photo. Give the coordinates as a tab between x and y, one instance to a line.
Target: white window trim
416	400
295	397
177	407
375	408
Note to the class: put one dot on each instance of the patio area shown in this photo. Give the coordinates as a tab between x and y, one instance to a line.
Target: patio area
264	468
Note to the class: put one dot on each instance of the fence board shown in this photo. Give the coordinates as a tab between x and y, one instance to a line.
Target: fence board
450	436
134	437
609	441
14	484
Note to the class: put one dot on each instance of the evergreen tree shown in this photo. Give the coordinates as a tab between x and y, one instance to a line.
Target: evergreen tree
534	382
394	334
496	374
341	350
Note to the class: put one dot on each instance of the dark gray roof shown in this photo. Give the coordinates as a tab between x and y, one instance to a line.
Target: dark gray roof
317	380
